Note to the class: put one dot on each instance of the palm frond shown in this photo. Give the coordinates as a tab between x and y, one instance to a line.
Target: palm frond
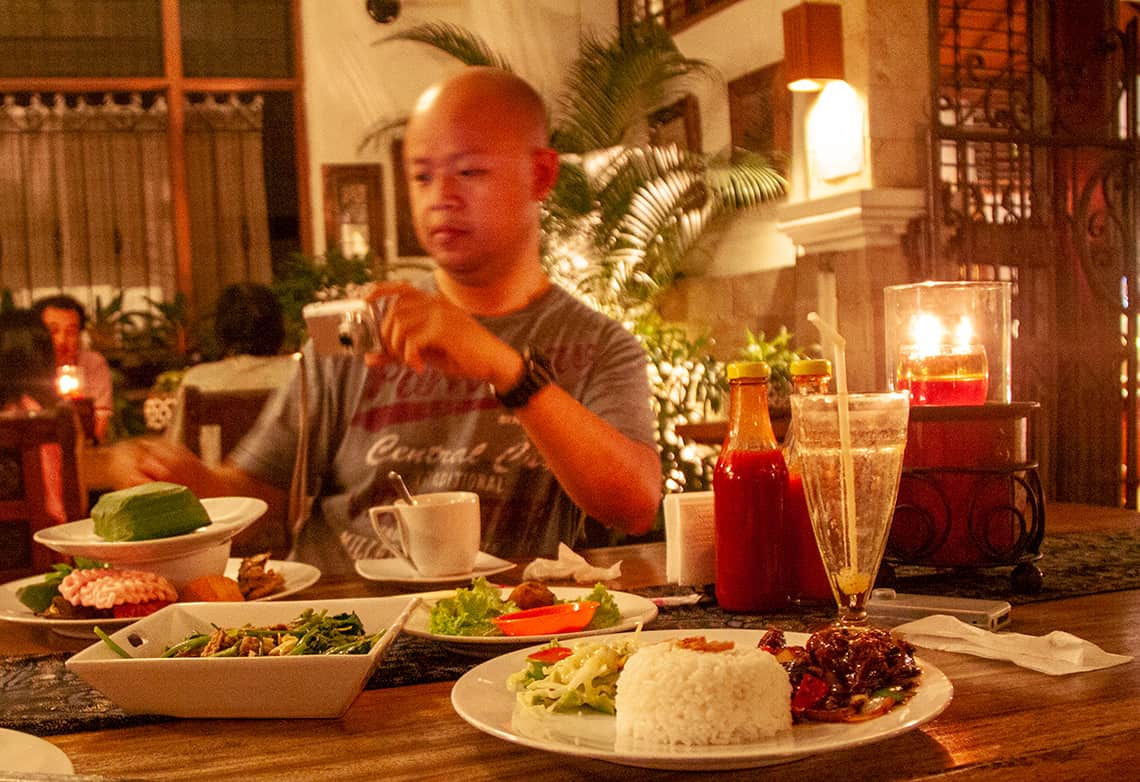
614	85
745	182
462	44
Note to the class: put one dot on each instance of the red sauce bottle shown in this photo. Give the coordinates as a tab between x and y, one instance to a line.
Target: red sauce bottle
807	578
749	485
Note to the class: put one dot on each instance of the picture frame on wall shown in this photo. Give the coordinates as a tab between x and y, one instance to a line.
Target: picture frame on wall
407	243
678	123
353	209
760	114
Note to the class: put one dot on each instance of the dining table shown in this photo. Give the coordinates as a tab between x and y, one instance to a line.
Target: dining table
1003	722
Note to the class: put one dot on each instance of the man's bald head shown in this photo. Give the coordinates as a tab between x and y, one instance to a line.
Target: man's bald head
488	93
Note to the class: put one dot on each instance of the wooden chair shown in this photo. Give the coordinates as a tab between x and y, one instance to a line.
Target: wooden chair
229	414
23	509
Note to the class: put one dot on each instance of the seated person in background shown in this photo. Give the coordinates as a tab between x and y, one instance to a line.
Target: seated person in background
66	319
250	327
458	398
27	384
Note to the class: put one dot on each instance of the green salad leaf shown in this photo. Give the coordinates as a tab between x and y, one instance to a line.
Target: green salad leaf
608	613
470	611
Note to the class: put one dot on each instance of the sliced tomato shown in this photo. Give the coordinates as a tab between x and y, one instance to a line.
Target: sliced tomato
550	654
811	691
135	610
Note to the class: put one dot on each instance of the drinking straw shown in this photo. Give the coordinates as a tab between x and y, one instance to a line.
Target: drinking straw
846	462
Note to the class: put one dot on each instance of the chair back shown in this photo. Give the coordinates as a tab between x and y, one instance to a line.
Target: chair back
25	507
213	422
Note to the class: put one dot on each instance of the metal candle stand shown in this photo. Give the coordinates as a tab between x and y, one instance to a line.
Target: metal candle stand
970	495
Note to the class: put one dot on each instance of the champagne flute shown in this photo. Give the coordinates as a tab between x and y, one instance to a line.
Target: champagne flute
851	452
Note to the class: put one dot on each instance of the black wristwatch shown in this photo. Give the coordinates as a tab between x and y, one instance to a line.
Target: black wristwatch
536	375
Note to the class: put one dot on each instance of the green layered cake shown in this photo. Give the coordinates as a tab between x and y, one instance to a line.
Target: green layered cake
152	510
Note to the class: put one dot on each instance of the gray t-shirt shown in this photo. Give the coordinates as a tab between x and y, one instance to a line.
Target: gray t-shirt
444	433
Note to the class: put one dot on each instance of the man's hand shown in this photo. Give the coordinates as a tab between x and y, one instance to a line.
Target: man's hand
426	330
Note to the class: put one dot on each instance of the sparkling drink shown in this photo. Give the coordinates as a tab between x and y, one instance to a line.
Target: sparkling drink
850	483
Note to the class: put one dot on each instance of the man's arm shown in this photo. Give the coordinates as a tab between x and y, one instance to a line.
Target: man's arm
610	476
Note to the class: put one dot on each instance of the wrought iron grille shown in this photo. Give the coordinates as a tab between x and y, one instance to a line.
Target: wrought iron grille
1033	180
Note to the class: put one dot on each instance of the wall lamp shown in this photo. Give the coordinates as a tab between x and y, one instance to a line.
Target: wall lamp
813	46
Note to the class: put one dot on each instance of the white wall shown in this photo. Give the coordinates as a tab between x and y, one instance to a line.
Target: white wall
353	83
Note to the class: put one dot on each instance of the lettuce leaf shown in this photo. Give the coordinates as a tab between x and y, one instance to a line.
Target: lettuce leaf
470	611
608	613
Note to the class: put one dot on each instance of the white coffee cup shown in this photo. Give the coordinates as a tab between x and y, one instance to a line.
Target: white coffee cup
438	536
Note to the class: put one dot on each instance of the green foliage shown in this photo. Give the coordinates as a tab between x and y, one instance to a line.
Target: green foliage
779	354
688	385
300	279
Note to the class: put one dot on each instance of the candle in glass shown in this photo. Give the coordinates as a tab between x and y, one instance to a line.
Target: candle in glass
940	371
69	381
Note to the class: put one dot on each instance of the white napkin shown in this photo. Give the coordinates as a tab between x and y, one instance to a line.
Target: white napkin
690	546
1056	654
570	565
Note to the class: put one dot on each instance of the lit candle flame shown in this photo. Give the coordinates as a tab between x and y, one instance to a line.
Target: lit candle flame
67	380
964	333
929	336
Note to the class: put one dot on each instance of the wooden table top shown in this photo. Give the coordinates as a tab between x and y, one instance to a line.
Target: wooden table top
1004	722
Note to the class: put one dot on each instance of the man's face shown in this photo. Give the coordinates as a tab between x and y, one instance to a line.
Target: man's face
471	183
64	327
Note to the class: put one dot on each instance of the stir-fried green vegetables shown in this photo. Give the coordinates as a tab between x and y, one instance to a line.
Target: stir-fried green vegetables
471	610
313	632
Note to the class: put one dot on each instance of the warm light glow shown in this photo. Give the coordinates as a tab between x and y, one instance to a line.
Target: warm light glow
964	333
835	132
67	380
926	334
805	85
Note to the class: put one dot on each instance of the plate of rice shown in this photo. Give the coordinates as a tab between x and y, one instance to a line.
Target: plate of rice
742	693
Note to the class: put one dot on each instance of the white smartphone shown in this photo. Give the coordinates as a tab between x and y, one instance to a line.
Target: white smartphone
990	614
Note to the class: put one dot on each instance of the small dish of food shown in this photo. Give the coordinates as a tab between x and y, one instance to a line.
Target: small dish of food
169	533
281	660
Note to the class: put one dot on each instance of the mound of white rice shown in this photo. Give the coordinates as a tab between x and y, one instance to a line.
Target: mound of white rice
670	694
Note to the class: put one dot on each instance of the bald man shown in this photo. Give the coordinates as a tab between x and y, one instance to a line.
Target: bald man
491	379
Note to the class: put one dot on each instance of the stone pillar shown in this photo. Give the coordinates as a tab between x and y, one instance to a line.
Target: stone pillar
848	212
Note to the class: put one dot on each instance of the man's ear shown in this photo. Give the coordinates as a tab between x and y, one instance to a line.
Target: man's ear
545	165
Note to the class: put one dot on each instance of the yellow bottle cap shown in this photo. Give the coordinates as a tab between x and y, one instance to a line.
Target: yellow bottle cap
810	366
752	369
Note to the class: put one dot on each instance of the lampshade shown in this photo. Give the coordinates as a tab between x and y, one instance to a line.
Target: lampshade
813	45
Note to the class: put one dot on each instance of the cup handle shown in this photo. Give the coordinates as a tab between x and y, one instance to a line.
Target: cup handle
396	545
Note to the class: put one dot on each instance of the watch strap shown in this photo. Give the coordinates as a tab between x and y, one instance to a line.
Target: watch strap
537	374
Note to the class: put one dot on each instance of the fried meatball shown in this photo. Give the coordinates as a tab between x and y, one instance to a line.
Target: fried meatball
532	594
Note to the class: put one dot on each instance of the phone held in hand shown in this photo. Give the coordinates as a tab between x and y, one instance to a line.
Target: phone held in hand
344	327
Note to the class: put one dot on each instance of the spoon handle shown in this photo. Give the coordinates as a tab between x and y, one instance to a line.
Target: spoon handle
401	487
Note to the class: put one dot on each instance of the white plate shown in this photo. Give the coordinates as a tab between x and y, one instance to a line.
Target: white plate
634	609
298	576
400	572
482	699
229	516
27	754
284	687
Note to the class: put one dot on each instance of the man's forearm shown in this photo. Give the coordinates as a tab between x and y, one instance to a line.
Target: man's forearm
613	478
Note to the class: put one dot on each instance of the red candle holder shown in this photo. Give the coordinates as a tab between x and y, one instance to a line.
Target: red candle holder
970	495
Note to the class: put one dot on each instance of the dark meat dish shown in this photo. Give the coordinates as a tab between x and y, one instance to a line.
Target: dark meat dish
846	675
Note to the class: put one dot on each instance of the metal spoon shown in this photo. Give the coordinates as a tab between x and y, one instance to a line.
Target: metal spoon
398	481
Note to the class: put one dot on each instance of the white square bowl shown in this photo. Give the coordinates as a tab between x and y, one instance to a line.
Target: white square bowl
318	685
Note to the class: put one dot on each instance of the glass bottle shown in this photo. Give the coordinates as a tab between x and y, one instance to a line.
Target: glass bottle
748	498
807	577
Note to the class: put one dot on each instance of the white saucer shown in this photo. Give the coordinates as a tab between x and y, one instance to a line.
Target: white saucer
397	571
23	753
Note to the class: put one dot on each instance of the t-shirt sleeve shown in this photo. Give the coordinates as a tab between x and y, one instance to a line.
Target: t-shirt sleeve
618	388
